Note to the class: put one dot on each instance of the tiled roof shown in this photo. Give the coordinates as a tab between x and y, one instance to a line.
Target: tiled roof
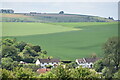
43	70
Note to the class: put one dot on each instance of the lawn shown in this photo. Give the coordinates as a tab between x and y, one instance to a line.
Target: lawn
64	40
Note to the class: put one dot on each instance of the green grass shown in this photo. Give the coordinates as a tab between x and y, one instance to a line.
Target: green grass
83	24
22	29
69	44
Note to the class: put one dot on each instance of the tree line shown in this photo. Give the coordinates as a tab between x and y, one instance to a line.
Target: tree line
109	65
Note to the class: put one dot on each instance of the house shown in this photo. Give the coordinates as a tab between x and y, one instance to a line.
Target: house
45	62
43	70
86	62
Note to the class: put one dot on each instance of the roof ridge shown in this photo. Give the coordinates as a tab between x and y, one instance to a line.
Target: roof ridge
84	59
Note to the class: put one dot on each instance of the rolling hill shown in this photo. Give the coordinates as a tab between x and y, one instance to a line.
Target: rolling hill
47	17
66	41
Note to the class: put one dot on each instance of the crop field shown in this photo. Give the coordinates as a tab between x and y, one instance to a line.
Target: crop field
47	18
66	41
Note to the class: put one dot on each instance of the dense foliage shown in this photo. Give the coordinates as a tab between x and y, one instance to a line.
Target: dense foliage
110	64
13	52
65	73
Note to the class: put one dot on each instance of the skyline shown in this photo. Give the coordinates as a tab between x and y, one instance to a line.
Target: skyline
102	9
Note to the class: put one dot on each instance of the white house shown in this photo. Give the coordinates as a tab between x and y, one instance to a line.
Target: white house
44	62
86	62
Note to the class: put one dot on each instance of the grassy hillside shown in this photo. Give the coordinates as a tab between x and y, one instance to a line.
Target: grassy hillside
23	29
25	17
62	40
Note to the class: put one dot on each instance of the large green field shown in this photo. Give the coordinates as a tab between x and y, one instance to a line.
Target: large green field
64	40
23	29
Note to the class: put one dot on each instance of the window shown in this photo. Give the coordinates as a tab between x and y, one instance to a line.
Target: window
91	66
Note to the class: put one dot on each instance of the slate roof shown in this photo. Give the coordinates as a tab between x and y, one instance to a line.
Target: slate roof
81	60
91	59
49	60
87	60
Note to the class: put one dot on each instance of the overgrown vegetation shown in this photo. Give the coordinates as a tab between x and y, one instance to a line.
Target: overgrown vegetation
110	64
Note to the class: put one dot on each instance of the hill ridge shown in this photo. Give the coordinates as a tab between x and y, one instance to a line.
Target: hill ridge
51	17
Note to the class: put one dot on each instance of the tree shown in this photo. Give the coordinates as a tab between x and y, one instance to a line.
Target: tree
28	54
80	72
20	45
48	75
61	12
84	73
107	73
8	63
61	73
23	73
6	74
110	18
98	65
44	52
8	42
36	48
10	51
117	74
31	66
111	60
112	51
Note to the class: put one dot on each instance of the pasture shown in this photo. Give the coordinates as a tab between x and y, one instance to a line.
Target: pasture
66	41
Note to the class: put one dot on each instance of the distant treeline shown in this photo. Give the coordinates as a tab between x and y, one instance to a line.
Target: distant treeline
6	11
56	17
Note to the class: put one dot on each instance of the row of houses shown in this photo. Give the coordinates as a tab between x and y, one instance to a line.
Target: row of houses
84	62
44	63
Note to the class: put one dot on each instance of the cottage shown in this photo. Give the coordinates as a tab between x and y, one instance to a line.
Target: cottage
45	62
86	62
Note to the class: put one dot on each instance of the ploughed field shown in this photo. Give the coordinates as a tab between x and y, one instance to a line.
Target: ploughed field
66	41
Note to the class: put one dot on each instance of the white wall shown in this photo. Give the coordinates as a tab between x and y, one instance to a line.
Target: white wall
88	65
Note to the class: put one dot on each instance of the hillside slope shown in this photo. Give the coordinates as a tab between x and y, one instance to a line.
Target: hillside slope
60	40
26	17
